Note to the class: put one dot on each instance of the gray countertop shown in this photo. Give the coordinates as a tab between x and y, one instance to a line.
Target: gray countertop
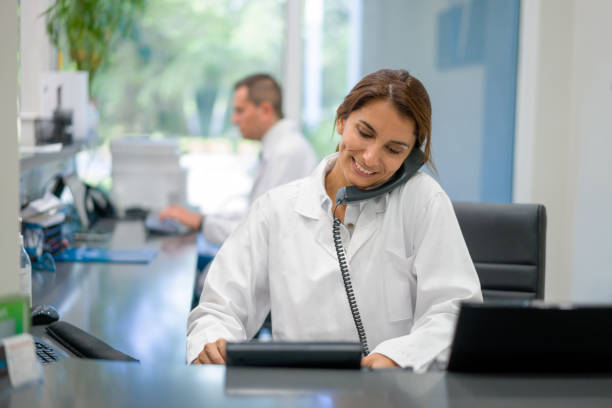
139	309
142	311
88	383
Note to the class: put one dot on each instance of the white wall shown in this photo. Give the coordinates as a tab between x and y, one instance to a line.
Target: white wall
564	124
592	113
9	164
37	56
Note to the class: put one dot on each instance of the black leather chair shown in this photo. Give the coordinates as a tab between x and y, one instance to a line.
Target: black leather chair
507	243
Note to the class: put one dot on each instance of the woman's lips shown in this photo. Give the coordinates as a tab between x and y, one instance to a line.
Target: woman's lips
360	170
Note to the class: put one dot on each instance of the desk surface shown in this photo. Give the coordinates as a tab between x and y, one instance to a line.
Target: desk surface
140	310
92	384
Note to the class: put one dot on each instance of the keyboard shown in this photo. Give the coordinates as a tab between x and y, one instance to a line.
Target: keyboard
45	353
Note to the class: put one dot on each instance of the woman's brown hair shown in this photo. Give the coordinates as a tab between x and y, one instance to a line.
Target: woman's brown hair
404	91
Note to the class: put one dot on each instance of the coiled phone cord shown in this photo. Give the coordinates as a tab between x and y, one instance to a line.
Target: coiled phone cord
348	286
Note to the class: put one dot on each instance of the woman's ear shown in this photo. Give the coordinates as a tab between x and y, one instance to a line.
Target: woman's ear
340	125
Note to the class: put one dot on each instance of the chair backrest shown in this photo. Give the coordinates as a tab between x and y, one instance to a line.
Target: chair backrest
507	243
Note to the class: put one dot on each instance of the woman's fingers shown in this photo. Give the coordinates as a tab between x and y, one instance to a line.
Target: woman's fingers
221	346
213	354
378	360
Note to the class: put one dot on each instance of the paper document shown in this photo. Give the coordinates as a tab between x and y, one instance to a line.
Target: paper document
47	203
21	359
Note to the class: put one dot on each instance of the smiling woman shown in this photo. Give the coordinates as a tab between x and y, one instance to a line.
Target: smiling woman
385	116
375	141
405	252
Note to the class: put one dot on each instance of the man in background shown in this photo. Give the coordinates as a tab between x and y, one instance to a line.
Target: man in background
285	154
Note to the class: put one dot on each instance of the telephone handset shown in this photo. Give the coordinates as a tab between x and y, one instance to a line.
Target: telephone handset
351	194
409	167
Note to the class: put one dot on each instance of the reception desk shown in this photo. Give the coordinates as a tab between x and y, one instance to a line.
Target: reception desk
142	309
87	383
139	309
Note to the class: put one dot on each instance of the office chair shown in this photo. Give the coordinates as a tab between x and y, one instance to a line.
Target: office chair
507	243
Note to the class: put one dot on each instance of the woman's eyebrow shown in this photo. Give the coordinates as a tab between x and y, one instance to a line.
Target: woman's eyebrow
399	143
367	125
373	131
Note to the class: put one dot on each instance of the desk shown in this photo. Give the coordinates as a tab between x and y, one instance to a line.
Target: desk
87	383
140	310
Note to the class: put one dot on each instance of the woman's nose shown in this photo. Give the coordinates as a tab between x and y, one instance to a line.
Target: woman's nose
371	155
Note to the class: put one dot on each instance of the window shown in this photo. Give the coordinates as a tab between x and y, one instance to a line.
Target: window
174	76
332	46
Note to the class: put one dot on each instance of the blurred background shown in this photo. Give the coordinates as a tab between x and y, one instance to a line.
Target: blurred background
521	94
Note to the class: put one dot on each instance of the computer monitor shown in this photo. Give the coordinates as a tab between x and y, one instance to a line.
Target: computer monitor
532	337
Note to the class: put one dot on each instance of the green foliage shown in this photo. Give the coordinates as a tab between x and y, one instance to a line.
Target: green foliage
90	28
174	75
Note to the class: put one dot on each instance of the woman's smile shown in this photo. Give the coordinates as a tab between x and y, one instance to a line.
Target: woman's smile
362	170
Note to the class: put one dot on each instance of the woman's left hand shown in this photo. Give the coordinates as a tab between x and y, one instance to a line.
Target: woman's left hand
377	360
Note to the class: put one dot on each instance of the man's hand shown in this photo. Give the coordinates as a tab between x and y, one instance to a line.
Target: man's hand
192	219
377	360
212	353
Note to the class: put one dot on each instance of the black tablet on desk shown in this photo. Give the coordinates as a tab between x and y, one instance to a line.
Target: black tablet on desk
532	337
294	354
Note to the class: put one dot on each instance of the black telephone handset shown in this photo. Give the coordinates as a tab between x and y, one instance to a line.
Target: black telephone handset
352	194
409	167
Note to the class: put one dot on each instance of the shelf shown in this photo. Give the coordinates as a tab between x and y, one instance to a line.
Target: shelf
34	160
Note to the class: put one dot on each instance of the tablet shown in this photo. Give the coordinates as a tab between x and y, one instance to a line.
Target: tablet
295	354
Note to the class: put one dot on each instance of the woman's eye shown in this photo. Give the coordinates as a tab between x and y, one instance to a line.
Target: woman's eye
393	151
364	135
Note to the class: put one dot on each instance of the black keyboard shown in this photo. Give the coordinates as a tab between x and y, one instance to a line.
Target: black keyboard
45	353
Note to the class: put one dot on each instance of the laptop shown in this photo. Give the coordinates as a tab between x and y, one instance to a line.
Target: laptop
532	337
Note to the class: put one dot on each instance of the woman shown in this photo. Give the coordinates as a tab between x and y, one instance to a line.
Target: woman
409	265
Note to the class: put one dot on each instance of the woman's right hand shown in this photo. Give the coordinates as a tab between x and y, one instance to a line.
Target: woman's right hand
212	353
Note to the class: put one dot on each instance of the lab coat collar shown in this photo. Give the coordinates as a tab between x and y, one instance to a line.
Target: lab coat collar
275	134
313	201
312	194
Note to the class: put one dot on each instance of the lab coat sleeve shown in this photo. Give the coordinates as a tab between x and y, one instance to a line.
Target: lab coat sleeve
217	227
445	276
235	298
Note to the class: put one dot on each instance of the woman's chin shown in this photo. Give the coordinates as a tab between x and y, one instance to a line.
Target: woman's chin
360	184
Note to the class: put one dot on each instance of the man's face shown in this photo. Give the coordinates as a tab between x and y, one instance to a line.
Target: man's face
247	116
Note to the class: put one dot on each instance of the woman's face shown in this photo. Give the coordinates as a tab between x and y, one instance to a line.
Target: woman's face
376	139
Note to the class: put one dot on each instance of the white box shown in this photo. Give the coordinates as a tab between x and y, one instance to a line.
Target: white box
151	190
147	173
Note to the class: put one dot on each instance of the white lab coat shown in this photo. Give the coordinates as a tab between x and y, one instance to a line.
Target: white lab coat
285	156
409	265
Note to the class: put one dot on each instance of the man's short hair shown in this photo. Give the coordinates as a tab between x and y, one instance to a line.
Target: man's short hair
263	88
